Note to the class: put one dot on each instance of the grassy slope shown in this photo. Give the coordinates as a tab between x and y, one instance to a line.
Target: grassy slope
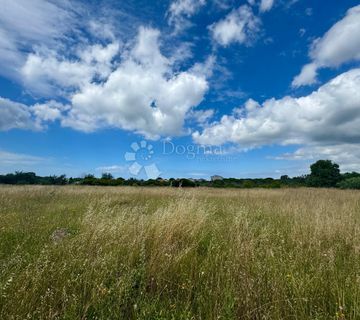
162	253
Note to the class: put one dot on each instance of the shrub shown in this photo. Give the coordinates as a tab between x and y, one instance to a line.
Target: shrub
352	183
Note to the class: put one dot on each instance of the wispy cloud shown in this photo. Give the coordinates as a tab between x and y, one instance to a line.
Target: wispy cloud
26	24
112	169
180	11
16	159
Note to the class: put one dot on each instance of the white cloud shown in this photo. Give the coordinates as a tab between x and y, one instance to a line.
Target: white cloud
302	32
329	116
48	74
44	74
143	94
142	91
240	25
179	53
181	10
49	111
15	116
201	116
36	20
307	75
10	159
10	58
113	169
205	69
266	5
348	155
100	56
309	11
339	45
146	51
25	24
102	29
223	4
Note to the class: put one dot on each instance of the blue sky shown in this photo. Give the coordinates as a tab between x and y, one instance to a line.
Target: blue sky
252	88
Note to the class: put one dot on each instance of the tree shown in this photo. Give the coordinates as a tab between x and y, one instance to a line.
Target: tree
55	180
348	175
89	179
351	183
107	176
187	183
324	173
248	184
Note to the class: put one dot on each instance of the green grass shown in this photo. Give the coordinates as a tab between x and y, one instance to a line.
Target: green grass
158	253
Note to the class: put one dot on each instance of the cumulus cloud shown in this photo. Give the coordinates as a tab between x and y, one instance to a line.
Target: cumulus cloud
181	10
240	25
330	116
266	5
339	45
142	94
307	75
15	116
47	73
136	88
49	111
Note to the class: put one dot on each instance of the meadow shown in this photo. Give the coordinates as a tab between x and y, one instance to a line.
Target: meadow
78	252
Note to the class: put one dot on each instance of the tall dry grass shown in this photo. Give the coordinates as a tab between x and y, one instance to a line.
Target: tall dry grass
137	253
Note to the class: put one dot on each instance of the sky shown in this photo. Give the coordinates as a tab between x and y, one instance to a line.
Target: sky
179	88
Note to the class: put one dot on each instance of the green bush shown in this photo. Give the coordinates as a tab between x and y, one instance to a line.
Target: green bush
352	183
273	185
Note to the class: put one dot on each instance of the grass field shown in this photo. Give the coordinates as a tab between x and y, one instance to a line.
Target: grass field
158	253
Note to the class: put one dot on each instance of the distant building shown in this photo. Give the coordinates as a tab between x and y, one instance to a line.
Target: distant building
216	178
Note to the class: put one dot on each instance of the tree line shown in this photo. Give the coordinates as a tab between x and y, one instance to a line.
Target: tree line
323	174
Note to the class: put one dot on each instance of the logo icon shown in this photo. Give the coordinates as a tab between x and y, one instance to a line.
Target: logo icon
140	157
